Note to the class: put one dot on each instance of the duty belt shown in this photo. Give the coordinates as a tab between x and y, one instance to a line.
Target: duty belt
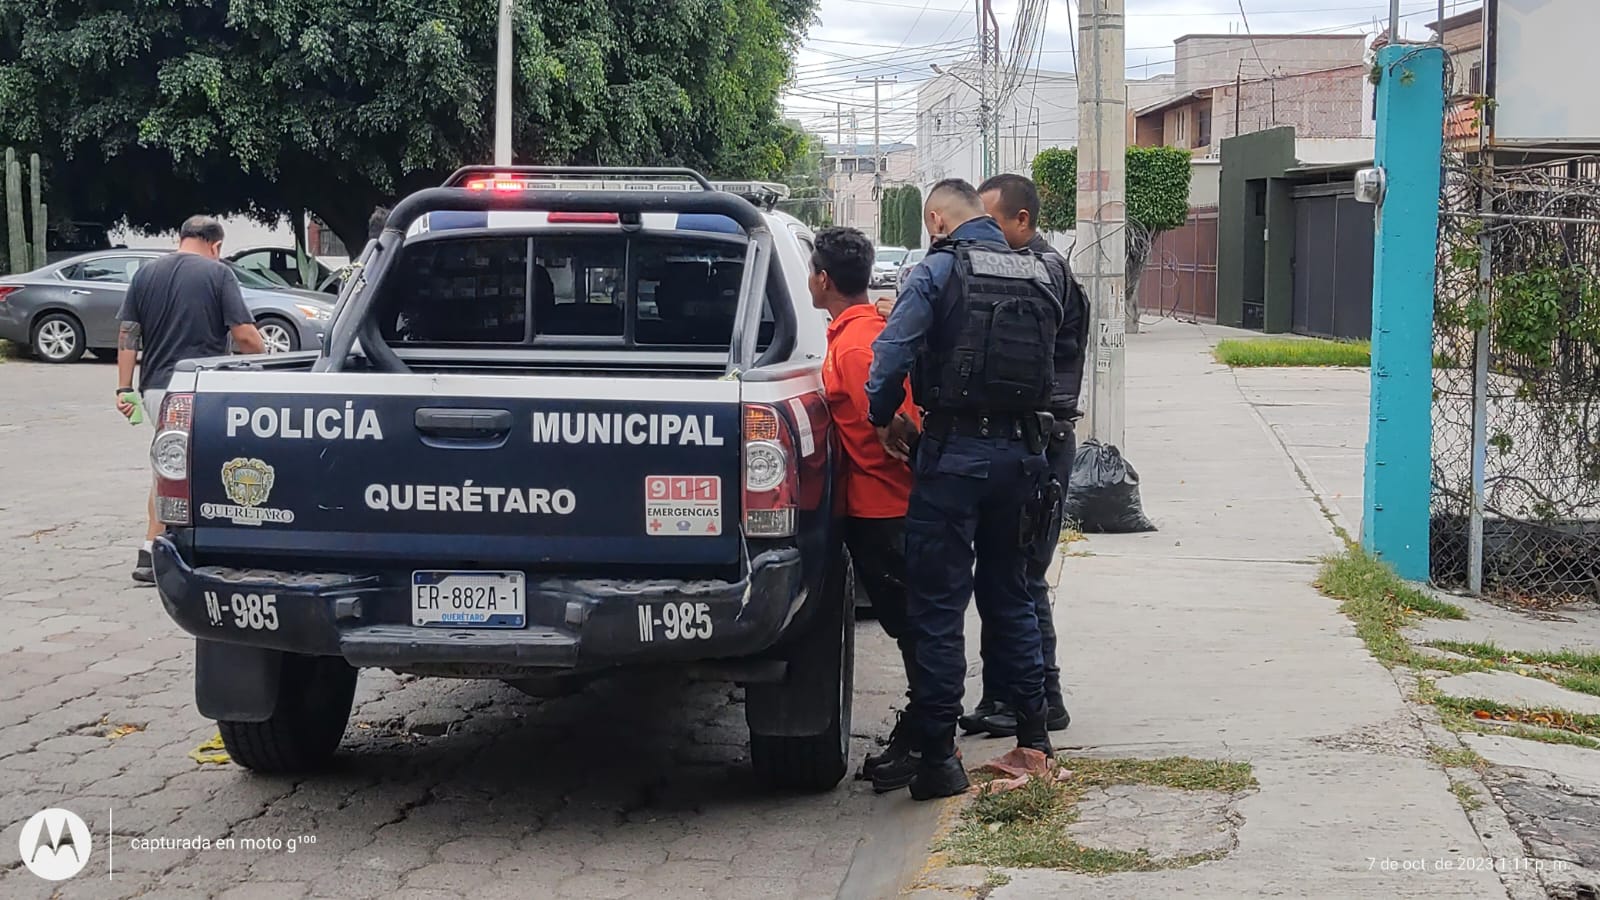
972	424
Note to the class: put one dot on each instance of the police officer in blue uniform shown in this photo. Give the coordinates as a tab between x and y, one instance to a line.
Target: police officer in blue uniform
1013	201
975	327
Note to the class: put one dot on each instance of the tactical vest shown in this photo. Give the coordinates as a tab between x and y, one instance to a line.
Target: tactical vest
991	348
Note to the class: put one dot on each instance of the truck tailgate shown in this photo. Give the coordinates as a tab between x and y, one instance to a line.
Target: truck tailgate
564	473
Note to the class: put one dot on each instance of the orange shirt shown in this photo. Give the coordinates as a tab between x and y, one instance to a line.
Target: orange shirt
877	486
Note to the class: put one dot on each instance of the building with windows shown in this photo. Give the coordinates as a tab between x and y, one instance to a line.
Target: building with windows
853	180
1040	110
1222	88
1462	35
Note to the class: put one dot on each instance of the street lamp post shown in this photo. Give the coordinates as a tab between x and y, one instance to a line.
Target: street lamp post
983	115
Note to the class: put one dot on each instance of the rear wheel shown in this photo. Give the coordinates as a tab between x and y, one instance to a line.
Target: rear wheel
58	338
314	697
277	335
821	674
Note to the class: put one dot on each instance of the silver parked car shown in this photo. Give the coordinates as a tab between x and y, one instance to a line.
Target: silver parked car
886	265
71	306
906	265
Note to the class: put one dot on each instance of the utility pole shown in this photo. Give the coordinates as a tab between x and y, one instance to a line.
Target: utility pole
835	209
502	89
988	85
1101	240
877	155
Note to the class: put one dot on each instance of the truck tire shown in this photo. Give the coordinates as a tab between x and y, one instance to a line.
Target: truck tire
314	697
821	671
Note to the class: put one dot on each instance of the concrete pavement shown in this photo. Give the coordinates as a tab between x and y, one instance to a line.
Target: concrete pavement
1206	638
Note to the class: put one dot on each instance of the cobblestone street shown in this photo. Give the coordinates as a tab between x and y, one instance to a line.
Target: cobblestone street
638	786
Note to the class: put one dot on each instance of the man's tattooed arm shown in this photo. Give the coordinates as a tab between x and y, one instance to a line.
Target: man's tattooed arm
129	336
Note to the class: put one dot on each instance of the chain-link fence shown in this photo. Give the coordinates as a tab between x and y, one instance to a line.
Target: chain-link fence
1516	406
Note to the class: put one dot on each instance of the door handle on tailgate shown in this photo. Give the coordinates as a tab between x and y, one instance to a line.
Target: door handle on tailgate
454	423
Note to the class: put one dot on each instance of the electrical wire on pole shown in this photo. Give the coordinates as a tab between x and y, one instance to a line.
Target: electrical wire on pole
988	84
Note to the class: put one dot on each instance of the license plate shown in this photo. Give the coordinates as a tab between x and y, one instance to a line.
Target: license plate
458	599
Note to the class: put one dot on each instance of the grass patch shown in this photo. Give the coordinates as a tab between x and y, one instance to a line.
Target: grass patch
1182	772
1254	352
1570	669
996	879
1027	827
1565	659
1457	758
1583	683
1380	604
8	350
1481	710
1468	797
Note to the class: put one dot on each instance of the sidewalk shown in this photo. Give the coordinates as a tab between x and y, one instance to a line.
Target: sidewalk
1206	639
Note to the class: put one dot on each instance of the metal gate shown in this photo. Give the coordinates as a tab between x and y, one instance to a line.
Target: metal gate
1180	280
1332	262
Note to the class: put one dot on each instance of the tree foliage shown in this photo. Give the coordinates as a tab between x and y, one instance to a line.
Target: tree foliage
1157	190
808	186
910	217
1157	187
900	216
1055	174
154	109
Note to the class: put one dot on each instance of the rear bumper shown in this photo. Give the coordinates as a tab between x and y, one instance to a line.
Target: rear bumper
13	324
573	624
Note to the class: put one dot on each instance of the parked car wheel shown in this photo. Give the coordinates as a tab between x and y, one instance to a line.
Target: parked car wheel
303	732
58	338
278	336
821	675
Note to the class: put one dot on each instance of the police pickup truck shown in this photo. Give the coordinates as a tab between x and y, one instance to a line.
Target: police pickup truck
565	421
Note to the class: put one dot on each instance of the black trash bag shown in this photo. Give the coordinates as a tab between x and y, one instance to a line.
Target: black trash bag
1103	495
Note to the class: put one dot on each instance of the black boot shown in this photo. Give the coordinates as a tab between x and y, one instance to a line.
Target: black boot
1056	716
1034	734
899	746
896	772
925	755
143	572
939	777
999	721
972	724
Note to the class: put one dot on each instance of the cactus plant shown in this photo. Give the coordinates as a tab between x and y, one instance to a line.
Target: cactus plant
14	224
40	219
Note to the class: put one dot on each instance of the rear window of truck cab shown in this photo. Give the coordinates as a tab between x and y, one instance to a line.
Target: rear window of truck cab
651	290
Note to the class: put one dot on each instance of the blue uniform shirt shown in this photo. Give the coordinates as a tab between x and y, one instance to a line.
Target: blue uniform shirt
896	349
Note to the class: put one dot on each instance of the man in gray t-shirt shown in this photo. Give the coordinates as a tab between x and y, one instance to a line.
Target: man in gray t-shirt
184	305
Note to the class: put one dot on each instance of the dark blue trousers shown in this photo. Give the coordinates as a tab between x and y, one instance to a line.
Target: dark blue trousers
963	541
1060	455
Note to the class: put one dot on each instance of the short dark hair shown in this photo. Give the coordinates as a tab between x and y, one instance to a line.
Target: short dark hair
847	256
201	227
958	186
1017	193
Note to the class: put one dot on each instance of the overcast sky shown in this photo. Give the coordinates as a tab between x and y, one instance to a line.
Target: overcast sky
900	38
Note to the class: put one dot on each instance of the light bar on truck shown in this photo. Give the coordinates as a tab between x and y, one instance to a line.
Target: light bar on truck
761	191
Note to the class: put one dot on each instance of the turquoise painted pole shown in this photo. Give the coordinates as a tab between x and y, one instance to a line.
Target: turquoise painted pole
1394	524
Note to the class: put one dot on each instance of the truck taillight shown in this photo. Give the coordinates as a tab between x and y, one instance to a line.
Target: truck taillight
771	474
169	457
